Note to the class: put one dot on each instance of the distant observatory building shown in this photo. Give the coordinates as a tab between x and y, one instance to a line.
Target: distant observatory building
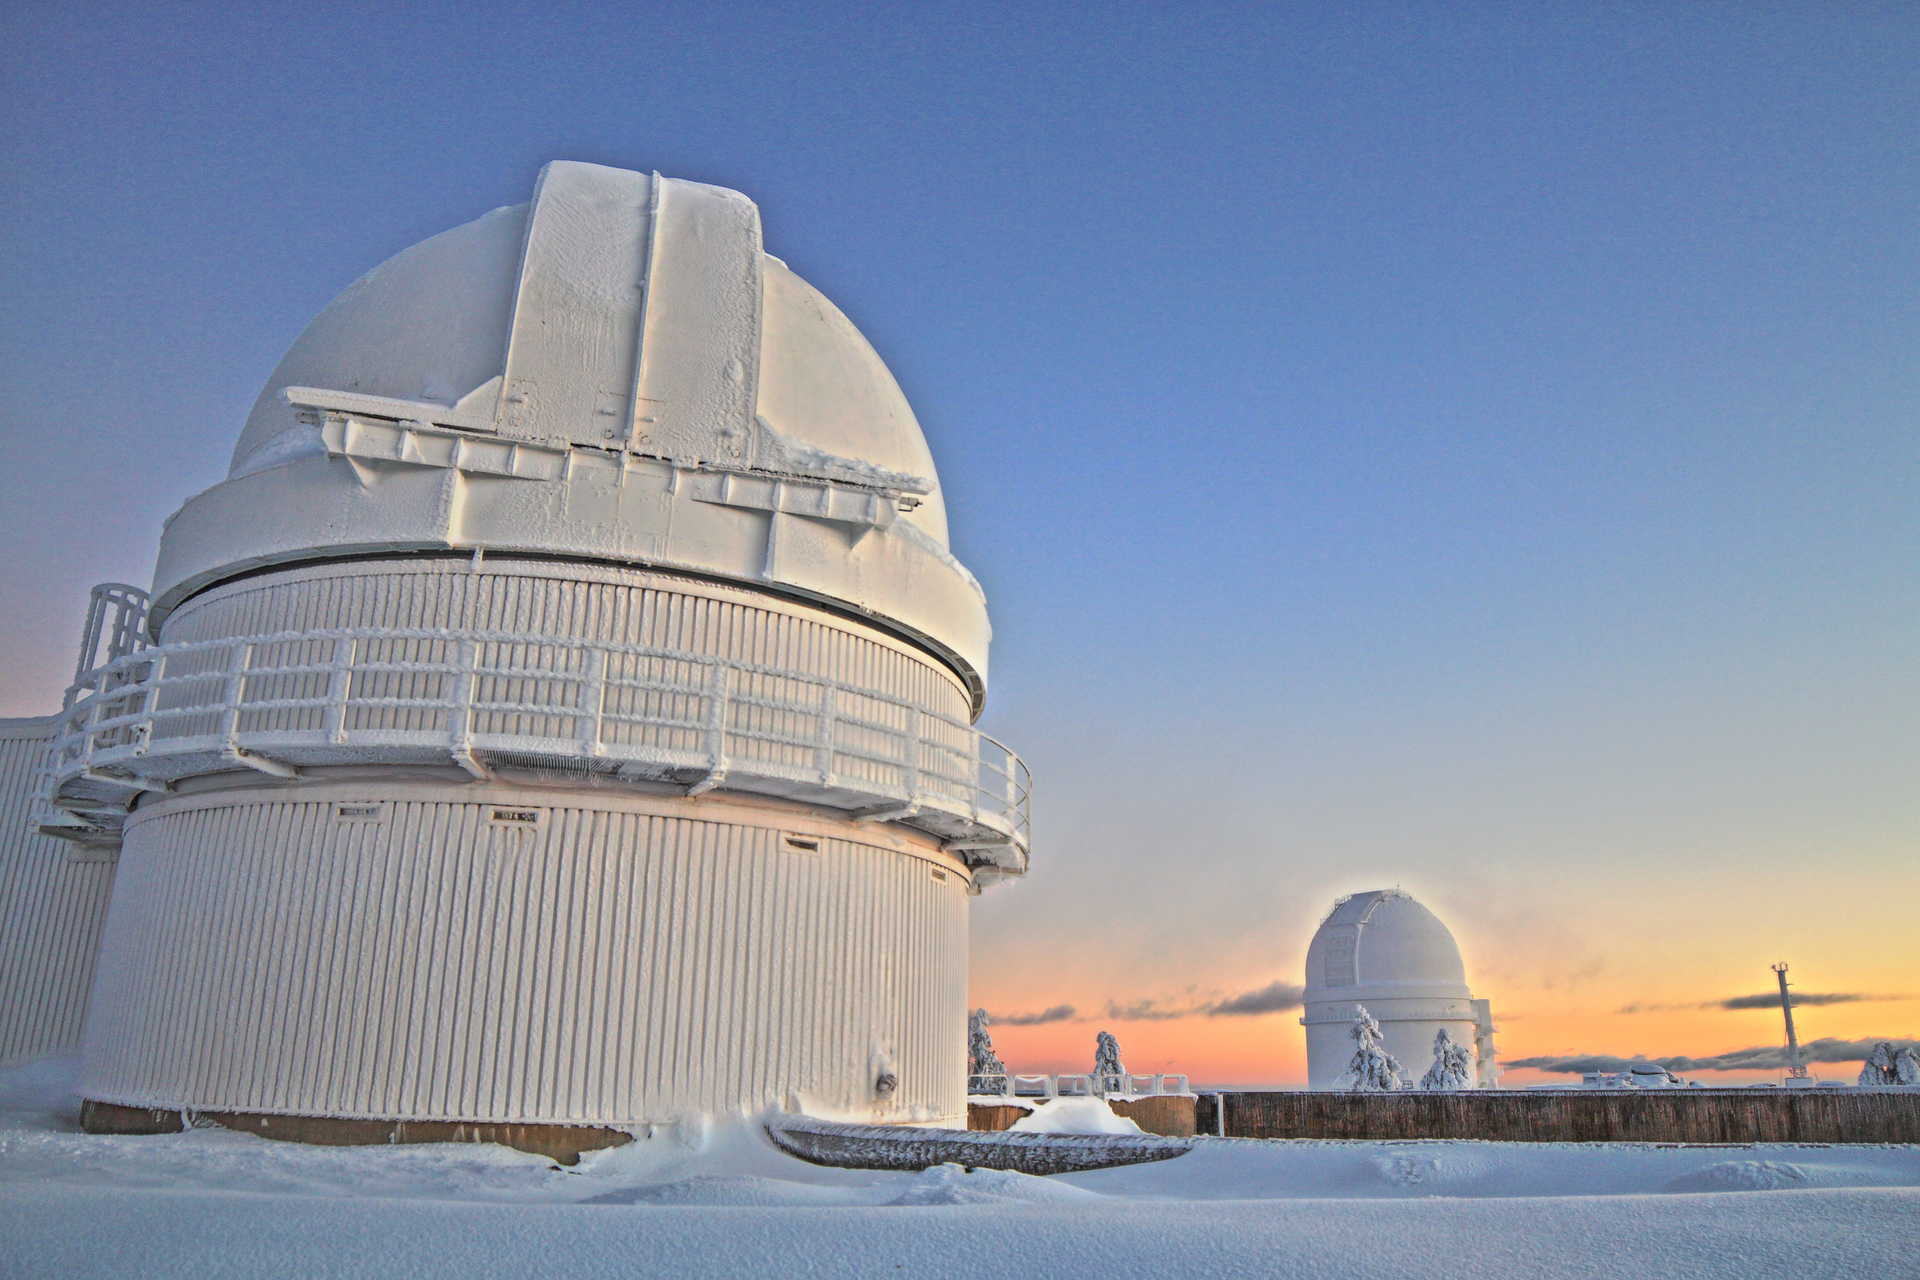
561	714
1383	950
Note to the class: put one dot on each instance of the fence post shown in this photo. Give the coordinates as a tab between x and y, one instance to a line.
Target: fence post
156	676
829	726
340	687
236	689
913	756
593	702
460	714
1012	788
718	685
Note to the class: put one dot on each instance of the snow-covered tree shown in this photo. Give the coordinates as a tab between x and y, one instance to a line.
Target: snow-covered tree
1906	1066
1106	1061
1878	1068
1373	1069
986	1074
1452	1065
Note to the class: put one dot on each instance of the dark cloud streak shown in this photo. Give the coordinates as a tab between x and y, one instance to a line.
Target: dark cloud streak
1763	1000
1275	997
1771	999
1058	1013
1148	1011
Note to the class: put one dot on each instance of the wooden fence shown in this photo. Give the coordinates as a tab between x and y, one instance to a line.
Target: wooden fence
1574	1115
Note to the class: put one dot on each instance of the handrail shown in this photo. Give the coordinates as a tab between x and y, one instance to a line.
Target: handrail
1135	1085
635	711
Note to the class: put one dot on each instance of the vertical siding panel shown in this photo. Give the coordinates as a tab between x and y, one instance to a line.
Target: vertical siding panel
52	910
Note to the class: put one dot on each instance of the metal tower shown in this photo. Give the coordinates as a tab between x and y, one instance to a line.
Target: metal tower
1796	1070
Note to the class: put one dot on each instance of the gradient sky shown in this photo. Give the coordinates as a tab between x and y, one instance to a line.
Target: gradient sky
1463	446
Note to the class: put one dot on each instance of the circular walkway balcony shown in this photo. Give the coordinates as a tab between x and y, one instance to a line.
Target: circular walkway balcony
484	699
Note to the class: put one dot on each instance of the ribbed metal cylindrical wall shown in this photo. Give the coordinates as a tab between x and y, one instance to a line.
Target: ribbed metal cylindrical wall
1407	1029
602	604
53	900
426	951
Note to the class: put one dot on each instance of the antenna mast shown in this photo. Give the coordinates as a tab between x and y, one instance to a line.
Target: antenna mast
1796	1070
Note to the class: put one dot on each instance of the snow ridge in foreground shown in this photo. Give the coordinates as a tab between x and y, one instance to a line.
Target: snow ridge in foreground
717	1199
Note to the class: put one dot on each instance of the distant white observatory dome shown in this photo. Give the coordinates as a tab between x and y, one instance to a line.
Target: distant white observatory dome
1385	951
562	713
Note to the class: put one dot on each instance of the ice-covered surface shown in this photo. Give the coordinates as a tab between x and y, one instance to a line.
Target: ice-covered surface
719	1200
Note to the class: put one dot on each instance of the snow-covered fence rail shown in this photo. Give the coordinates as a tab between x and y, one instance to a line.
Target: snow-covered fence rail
1573	1115
281	702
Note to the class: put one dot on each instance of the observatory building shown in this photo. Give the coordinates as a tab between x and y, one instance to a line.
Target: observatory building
561	714
1383	950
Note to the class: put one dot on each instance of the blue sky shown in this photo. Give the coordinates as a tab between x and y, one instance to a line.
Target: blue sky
1469	445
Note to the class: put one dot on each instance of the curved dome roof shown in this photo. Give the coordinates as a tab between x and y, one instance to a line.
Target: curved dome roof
435	324
1383	942
614	371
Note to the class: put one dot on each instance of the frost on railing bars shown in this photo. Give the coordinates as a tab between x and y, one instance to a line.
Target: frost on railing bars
280	702
1081	1086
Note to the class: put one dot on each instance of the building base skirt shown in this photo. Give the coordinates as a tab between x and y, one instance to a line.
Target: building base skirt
561	1143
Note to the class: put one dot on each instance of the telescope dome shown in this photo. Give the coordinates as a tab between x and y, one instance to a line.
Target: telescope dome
1384	952
1384	941
616	372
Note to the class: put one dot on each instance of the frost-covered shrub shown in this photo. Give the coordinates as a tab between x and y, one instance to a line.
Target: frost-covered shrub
1452	1065
1887	1065
986	1074
1373	1069
1906	1066
1106	1062
1878	1068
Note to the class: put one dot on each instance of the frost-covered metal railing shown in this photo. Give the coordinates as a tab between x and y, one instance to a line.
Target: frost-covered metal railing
116	614
482	699
1132	1085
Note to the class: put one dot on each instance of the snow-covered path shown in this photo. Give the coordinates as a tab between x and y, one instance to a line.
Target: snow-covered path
720	1201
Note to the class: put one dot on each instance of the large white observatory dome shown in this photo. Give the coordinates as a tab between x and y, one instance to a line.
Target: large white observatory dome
1383	950
562	714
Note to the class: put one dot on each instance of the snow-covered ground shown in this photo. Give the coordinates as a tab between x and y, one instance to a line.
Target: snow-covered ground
719	1200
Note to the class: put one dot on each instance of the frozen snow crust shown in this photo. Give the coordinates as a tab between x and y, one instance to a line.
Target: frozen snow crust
714	1198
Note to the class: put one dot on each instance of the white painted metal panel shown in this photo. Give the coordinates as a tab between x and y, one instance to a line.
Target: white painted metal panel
53	901
700	358
614	960
577	312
